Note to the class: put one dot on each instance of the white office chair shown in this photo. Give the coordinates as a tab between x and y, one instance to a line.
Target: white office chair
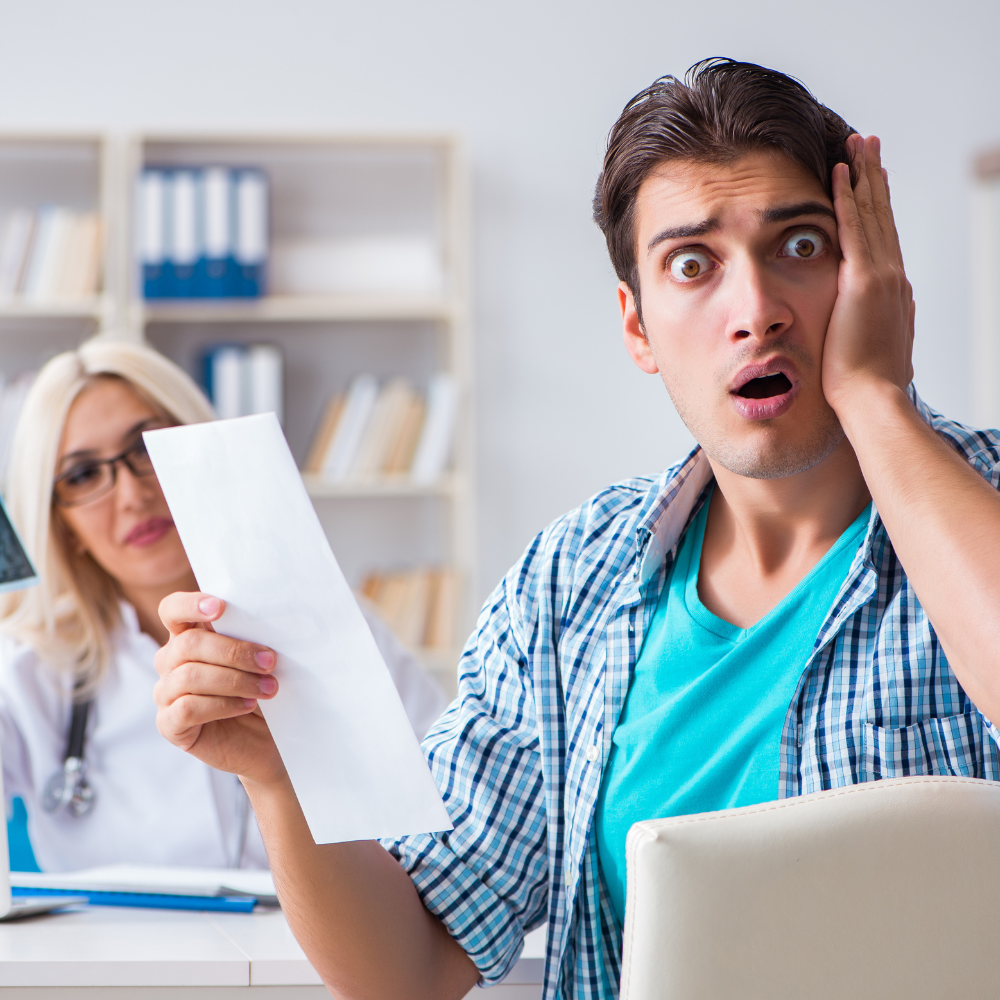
881	890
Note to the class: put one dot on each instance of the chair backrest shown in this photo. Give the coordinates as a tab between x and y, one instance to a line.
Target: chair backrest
881	890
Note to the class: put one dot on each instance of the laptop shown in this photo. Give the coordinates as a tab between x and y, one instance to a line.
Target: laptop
16	571
11	906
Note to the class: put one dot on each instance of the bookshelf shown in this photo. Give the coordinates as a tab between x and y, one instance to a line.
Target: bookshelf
322	187
74	170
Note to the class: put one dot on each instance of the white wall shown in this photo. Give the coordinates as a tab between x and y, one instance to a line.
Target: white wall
535	86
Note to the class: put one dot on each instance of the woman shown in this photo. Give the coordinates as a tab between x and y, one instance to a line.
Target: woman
77	651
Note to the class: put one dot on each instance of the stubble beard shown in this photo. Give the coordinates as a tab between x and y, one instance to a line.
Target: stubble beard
773	461
761	459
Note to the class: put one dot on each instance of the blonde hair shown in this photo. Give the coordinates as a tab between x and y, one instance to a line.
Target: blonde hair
69	617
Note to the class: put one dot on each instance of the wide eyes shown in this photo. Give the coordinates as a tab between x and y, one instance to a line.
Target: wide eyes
689	264
803	244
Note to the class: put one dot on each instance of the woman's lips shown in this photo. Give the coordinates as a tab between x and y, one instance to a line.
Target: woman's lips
149	531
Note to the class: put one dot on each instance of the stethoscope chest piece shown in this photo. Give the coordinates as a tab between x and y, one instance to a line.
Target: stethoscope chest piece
69	789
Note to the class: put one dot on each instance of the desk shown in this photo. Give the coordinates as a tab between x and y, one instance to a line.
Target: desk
135	954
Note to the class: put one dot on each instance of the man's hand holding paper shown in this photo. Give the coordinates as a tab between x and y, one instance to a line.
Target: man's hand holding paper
255	543
336	742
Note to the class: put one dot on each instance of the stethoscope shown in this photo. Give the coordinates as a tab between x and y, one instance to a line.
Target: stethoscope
68	790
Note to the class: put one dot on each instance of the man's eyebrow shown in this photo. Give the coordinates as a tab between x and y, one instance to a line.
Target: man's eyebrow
785	213
683	232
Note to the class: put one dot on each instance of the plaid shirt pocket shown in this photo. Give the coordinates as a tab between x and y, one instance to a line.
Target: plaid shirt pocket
952	745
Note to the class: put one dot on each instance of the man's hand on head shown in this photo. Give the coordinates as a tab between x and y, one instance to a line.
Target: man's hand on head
869	341
941	515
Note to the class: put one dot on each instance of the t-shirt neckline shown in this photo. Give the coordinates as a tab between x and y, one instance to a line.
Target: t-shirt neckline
719	626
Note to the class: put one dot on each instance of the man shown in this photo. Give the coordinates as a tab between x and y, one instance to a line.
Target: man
809	600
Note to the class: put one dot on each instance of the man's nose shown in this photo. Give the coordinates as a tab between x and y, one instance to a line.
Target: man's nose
758	312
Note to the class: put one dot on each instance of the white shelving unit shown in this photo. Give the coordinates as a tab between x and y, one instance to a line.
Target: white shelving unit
329	186
75	170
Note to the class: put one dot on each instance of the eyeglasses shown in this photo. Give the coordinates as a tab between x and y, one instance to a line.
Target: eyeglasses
92	478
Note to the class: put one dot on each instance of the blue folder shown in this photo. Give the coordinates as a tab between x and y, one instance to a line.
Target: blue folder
162	901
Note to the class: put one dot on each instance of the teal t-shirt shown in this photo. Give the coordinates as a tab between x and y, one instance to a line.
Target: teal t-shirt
701	726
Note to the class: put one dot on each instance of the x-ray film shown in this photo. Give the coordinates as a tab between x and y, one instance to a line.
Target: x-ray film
16	570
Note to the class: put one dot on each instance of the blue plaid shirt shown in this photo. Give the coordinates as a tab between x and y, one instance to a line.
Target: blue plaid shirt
518	756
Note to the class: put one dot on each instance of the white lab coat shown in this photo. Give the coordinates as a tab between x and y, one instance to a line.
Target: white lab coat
154	803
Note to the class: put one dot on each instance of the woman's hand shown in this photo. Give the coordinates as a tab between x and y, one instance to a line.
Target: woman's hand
208	691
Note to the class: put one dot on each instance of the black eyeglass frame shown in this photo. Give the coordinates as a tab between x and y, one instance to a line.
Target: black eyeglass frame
112	463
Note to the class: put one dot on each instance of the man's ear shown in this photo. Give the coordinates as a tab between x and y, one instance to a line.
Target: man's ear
635	337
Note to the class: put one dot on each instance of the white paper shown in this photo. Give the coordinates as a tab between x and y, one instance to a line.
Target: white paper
254	540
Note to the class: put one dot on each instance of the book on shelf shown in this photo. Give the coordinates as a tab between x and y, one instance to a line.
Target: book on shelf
182	249
151	231
202	232
242	379
417	604
345	440
14	250
47	253
50	254
369	432
392	406
251	225
320	443
442	622
434	446
215	270
81	272
399	457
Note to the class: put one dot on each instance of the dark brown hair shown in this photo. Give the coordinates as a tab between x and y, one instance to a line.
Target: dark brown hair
720	111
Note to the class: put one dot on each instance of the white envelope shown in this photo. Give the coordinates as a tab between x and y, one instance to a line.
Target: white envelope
253	539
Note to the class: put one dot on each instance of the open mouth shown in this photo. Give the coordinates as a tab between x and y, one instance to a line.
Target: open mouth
765	387
768	393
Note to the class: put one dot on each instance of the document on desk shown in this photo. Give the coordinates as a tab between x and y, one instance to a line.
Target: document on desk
253	539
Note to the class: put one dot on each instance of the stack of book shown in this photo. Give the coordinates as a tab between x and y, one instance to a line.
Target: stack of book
241	379
371	432
417	604
203	232
50	254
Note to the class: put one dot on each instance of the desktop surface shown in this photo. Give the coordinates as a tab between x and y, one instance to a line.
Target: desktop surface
137	954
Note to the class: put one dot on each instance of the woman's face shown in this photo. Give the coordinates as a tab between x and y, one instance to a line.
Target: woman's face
128	531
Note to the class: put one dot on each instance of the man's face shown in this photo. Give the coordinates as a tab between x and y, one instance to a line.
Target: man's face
738	270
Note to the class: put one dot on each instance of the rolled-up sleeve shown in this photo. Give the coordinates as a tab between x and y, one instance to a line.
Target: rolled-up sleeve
487	879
